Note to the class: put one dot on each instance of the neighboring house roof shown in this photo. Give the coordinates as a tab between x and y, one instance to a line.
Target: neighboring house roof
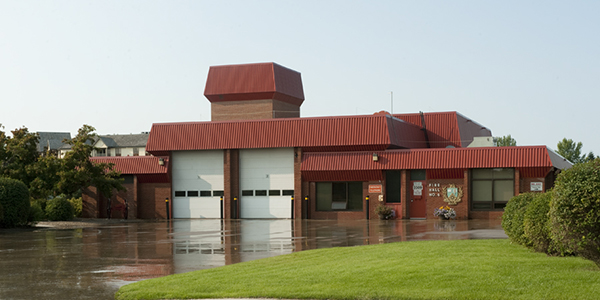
147	168
122	140
447	128
456	158
51	140
254	82
344	133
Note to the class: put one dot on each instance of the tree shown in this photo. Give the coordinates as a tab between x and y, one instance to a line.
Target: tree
505	141
78	171
572	151
18	154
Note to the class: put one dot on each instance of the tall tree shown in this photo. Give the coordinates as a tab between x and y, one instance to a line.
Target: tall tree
79	172
18	154
505	141
572	151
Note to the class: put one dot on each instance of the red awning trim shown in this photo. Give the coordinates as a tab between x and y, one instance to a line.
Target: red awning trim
452	158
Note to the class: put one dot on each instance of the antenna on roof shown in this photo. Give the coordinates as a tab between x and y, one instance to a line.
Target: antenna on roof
392	100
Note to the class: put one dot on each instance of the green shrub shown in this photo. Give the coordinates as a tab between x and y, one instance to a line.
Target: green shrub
77	206
575	210
36	212
536	224
512	219
59	209
14	199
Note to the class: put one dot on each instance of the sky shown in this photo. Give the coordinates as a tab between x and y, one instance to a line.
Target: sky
530	69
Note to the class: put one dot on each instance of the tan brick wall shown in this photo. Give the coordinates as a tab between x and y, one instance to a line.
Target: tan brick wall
253	110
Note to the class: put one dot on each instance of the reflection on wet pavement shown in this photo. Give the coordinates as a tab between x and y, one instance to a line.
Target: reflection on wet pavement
93	262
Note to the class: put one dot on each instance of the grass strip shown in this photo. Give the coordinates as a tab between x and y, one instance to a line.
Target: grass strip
458	269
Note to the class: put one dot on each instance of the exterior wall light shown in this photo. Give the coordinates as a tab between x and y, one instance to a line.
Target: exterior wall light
375	157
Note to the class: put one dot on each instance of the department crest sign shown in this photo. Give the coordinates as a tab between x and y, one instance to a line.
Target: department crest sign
453	194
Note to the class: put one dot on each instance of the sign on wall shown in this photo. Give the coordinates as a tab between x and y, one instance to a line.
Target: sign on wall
375	188
537	187
417	188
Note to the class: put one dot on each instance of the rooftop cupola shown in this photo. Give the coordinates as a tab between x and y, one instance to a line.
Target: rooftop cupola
253	91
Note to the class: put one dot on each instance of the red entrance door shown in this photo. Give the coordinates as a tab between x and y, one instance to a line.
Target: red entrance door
418	201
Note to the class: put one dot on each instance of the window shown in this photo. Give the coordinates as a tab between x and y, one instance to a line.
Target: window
260	193
339	196
418	175
179	193
136	151
274	193
287	193
117	151
205	193
127	178
101	152
247	192
218	193
392	186
492	188
192	194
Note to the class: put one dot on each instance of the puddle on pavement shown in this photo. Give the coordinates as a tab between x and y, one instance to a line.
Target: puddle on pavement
93	262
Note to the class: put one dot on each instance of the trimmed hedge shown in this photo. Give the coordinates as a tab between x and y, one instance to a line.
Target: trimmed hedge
536	224
575	210
512	219
59	209
14	203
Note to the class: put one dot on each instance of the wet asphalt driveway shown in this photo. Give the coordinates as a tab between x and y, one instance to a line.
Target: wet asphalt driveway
91	259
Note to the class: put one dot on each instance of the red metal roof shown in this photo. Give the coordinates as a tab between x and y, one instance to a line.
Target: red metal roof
135	165
254	82
453	158
447	128
345	133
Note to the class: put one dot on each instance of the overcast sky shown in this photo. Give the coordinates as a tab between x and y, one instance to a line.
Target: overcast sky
526	68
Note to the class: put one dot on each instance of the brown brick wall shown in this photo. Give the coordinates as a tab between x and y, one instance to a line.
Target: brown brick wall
151	201
298	199
526	184
253	110
90	203
231	175
433	202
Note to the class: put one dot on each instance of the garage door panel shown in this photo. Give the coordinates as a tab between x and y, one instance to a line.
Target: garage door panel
196	171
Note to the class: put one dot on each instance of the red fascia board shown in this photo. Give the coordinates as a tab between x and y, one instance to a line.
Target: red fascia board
452	158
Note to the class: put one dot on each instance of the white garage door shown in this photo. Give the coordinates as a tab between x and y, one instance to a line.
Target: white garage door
266	183
197	183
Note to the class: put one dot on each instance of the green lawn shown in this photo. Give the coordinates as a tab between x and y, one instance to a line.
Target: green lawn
459	269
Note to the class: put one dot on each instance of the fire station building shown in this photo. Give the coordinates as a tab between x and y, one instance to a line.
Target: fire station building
257	158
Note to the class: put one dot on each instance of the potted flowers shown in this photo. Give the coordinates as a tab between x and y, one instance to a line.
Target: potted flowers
445	213
385	212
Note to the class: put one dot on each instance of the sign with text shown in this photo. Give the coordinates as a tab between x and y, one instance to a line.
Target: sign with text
417	188
537	187
375	188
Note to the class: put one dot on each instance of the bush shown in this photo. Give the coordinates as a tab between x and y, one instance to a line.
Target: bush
36	212
14	200
59	209
513	217
575	210
536	224
77	204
